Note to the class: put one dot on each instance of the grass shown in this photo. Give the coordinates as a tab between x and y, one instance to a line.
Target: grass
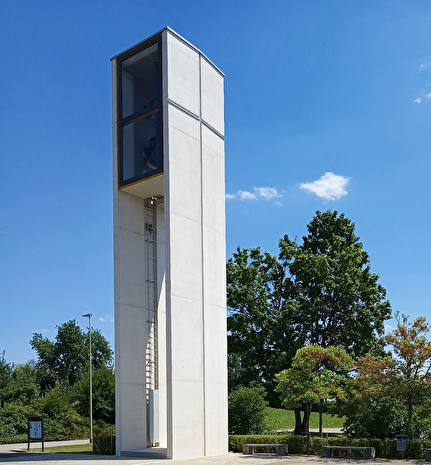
72	449
279	418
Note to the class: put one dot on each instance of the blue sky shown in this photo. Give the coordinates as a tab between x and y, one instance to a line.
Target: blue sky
328	106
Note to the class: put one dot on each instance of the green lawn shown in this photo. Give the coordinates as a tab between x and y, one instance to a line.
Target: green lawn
72	449
279	418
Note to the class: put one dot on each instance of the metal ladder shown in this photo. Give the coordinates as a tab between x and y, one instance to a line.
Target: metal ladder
151	374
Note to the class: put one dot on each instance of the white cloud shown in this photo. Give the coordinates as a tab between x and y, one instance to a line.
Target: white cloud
278	203
245	195
330	186
230	196
106	319
267	193
420	99
423	66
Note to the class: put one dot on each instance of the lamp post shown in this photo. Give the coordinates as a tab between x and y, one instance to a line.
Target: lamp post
88	315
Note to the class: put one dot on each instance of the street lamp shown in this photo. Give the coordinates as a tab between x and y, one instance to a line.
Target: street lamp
88	315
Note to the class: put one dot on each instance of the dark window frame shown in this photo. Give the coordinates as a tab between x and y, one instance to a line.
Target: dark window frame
130	119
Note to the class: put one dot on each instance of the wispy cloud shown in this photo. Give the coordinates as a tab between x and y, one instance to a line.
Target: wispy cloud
267	193
246	195
423	66
423	97
329	187
106	319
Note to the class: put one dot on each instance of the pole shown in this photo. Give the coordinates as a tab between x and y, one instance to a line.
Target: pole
89	315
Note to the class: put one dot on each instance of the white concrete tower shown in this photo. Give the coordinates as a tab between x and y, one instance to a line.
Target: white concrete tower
169	251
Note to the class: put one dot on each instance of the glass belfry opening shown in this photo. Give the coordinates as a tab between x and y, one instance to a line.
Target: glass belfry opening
140	137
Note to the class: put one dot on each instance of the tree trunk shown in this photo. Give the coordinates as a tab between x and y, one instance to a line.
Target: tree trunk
298	422
301	424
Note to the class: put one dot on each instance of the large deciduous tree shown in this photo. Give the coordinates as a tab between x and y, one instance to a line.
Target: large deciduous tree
339	300
321	292
66	359
261	338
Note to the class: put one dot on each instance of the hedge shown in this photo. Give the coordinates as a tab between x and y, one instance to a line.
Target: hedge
386	448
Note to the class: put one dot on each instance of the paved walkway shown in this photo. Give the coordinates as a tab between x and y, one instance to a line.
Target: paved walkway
13	453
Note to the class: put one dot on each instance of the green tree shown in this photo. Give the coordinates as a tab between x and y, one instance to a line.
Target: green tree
339	299
246	407
412	366
391	395
317	374
6	370
371	407
261	339
66	359
103	395
322	292
23	386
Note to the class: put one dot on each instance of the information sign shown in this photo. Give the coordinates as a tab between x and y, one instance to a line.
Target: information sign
35	429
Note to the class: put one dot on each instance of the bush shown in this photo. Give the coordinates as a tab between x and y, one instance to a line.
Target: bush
104	445
13	423
247	410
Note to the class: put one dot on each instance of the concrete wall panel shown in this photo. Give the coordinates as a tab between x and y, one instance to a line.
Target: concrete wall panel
132	336
186	265
184	164
212	96
131	269
188	425
187	348
132	420
183	74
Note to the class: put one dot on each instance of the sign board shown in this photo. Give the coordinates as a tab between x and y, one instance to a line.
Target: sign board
35	429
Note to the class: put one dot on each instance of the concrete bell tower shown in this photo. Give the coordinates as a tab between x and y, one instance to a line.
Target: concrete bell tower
169	251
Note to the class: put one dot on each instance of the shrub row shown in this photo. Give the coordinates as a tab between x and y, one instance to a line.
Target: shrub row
14	425
386	448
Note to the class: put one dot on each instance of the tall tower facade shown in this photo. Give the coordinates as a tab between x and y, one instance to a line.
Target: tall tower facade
169	250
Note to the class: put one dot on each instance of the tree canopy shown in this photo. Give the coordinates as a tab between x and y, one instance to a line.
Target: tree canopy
317	374
67	358
321	292
339	300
